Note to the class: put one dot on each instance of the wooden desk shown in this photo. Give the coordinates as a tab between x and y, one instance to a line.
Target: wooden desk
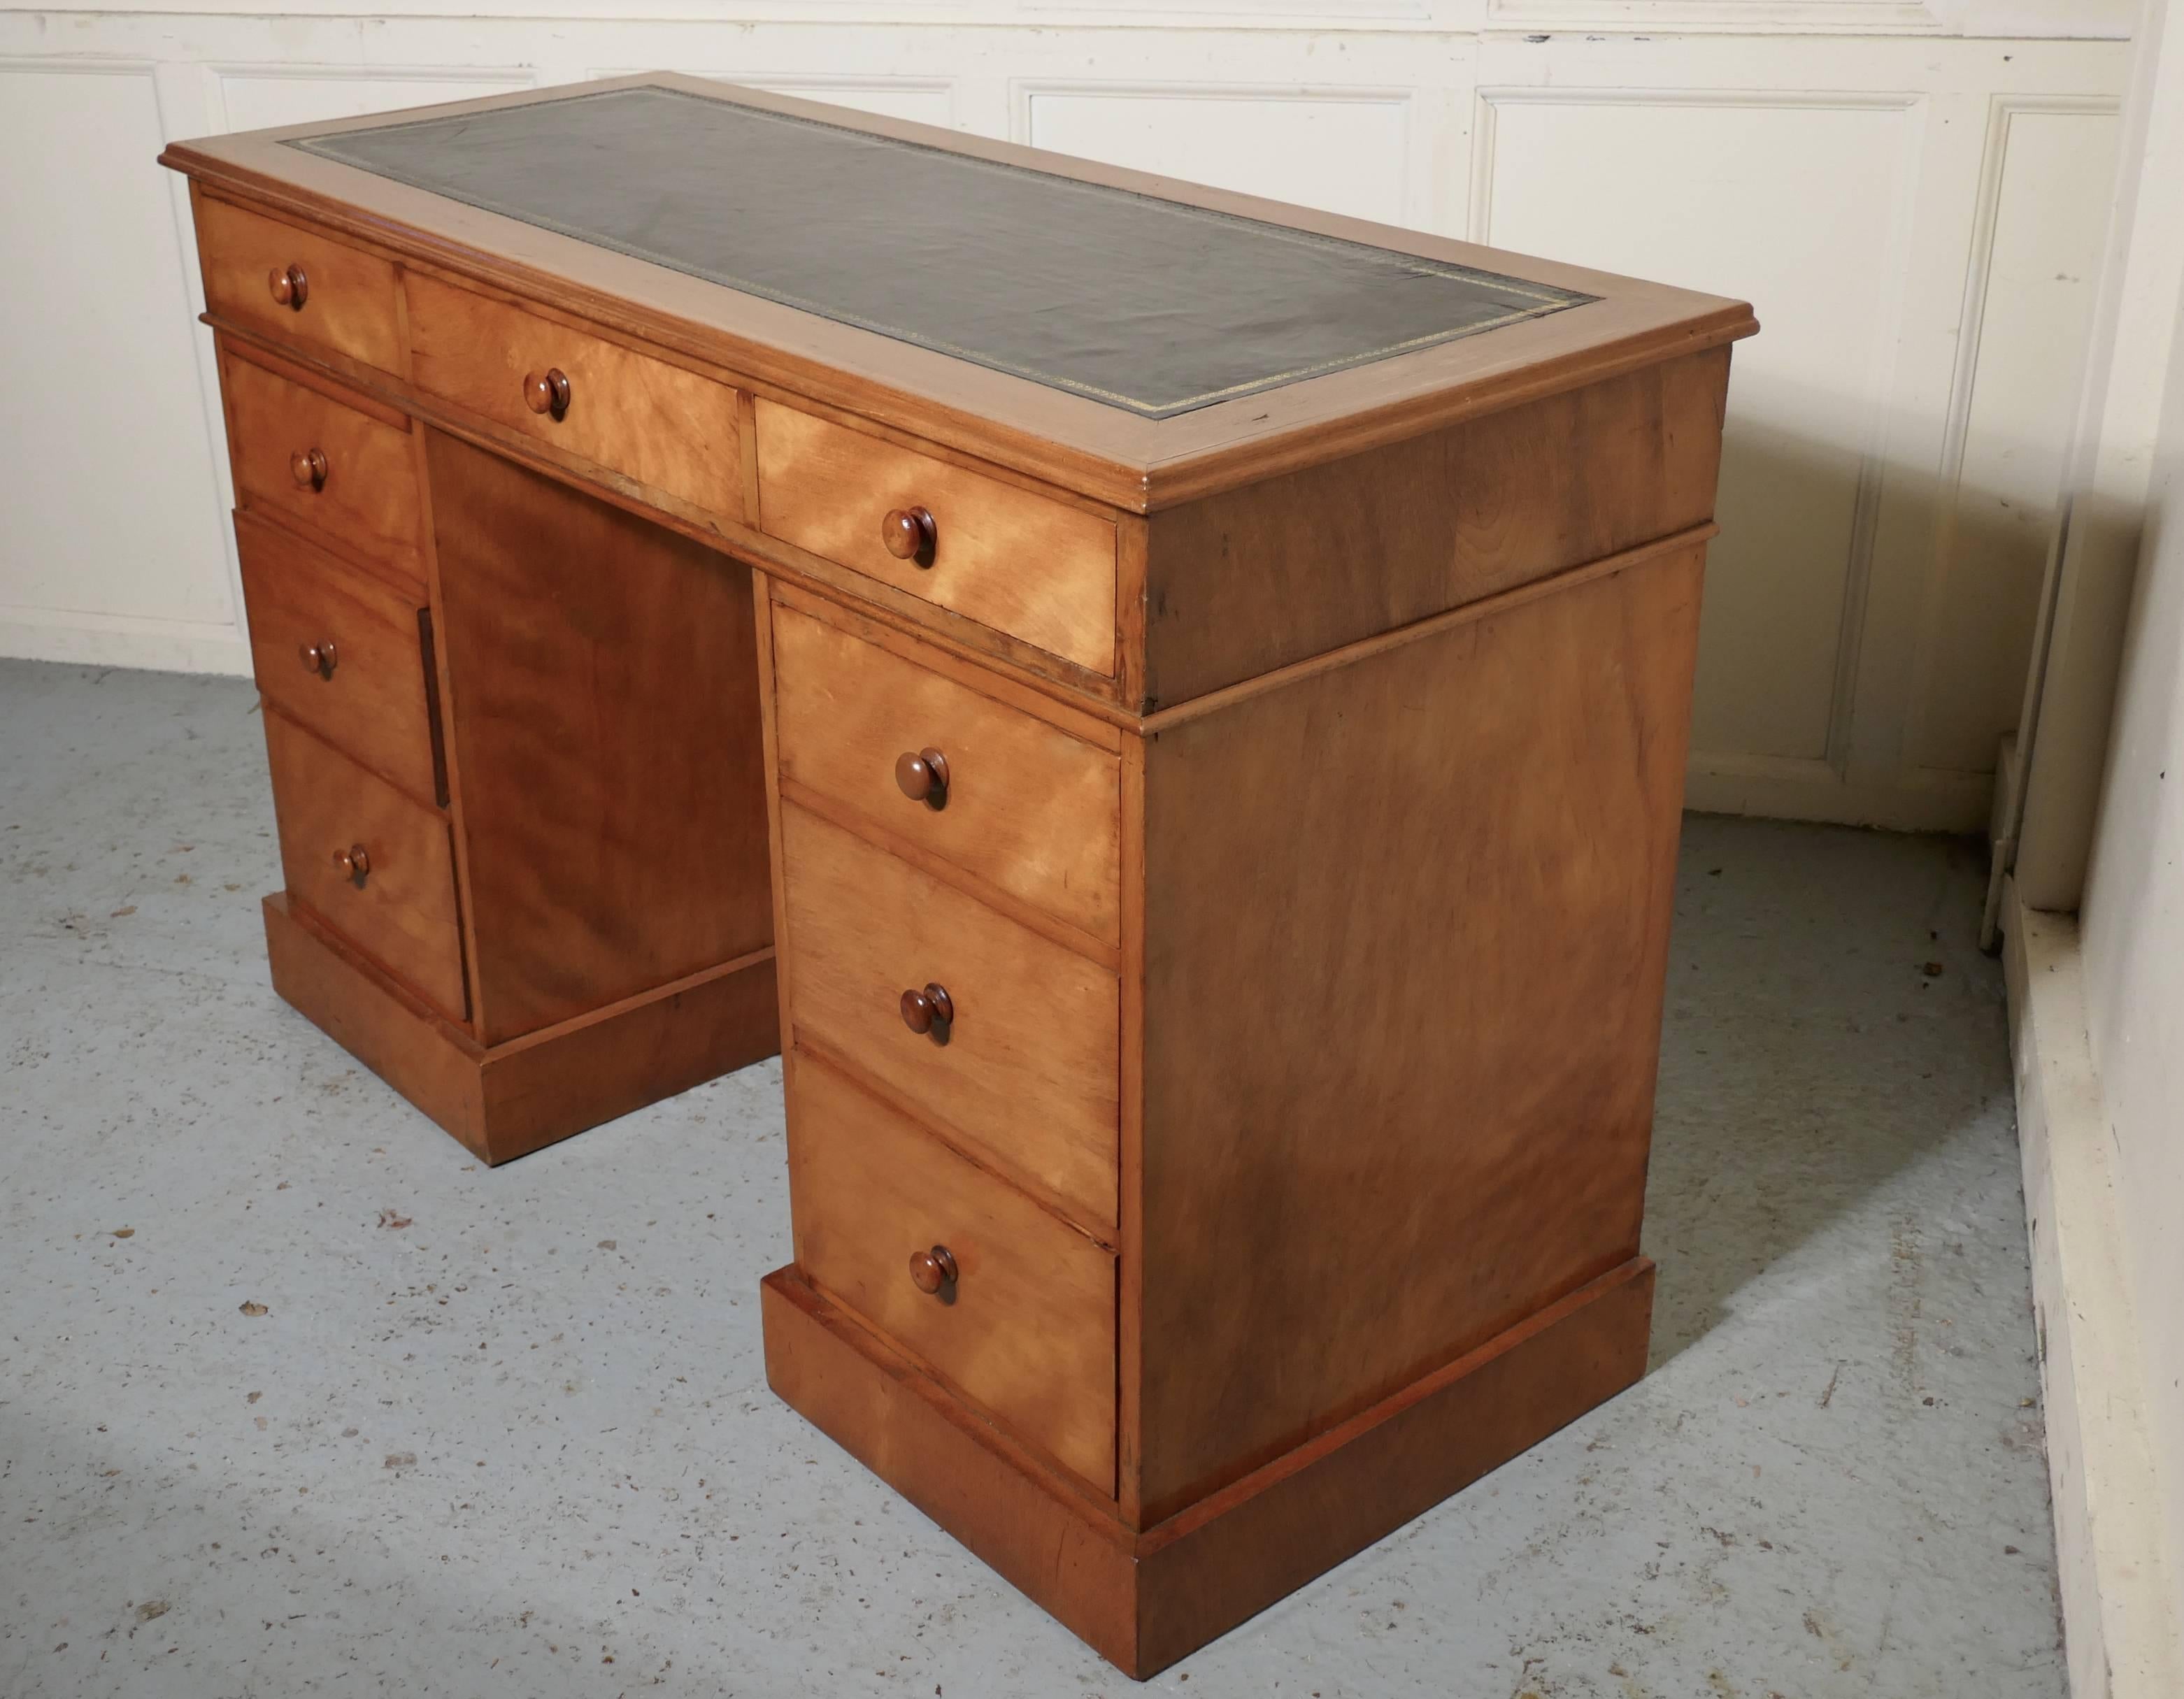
1211	680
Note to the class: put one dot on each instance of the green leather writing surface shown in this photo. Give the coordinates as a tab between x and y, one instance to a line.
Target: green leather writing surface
1139	302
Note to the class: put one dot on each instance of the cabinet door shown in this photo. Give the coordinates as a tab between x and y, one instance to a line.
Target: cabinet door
603	717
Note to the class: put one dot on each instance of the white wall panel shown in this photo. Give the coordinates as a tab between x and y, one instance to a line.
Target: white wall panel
1798	204
919	101
263	97
2028	302
113	499
1343	152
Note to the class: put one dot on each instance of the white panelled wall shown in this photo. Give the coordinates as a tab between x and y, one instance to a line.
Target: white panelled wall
1911	196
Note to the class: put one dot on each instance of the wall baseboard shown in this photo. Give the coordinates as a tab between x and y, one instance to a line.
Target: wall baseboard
110	640
1924	800
2119	1638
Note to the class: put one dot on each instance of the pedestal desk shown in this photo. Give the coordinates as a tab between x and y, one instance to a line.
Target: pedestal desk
1210	681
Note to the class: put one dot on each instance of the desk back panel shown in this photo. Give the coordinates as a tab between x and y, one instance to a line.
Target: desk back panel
605	751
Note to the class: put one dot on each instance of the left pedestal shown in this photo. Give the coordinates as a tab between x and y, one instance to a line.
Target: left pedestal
512	737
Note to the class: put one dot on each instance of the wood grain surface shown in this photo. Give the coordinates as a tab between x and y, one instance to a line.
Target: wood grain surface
662	425
1036	568
373	702
403	913
430	1060
1027	1078
369	499
603	710
1027	1328
1410	1102
348	305
1028	808
610	1061
1253	579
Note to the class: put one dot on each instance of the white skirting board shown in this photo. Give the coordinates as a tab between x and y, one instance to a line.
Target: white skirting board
2120	1639
121	640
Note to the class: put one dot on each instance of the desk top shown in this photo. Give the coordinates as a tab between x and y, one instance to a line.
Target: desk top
1137	339
1137	302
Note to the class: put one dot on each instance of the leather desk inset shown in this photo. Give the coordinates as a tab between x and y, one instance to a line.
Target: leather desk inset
1142	302
1191	694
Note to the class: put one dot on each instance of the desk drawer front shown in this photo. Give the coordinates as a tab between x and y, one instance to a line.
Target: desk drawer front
1034	568
331	468
653	423
401	911
1024	804
1028	1072
1027	1327
340	652
297	285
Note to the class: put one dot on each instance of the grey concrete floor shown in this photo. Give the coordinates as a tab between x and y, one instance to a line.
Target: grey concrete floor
509	1433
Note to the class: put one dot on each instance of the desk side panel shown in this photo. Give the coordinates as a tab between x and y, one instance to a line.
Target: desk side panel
1406	929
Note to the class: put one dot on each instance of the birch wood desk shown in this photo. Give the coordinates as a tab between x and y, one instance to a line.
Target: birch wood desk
1210	681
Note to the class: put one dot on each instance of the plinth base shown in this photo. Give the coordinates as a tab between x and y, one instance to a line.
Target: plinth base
1142	1600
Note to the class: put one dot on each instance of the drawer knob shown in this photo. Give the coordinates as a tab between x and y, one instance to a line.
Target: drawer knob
319	658
923	778
931	1011
908	534
354	863
307	467
547	392
289	287
934	1272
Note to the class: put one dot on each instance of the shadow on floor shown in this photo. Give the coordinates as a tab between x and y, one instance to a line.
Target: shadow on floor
1785	1101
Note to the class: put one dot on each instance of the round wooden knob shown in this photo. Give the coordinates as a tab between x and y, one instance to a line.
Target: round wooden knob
908	534
307	467
932	1271
288	286
931	1011
547	392
319	658
353	862
923	778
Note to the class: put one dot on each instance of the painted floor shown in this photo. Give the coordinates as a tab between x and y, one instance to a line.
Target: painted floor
508	1433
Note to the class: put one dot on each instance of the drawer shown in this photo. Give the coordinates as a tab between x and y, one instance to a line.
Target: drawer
656	424
1027	1327
402	911
252	264
1028	1075
1026	805
337	470
342	652
1034	568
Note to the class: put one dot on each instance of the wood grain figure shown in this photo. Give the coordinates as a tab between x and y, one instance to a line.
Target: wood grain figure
1023	1321
1023	564
339	651
364	496
1027	1073
1025	807
603	726
654	422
